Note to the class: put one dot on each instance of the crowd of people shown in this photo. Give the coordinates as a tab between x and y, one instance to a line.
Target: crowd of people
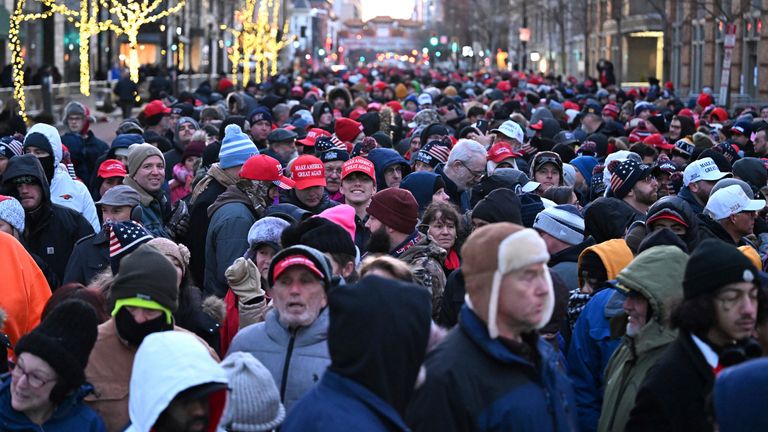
386	249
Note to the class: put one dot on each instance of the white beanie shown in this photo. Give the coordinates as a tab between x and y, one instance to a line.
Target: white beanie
254	402
12	212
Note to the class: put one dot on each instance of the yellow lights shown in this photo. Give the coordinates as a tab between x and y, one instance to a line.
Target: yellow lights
257	44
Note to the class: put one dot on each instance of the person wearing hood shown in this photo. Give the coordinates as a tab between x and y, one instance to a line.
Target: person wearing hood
426	187
733	411
46	386
675	214
185	128
292	340
375	361
486	374
562	228
715	321
653	284
90	255
323	116
392	218
309	193
143	297
84	147
235	150
44	142
390	167
590	310
51	230
175	386
232	215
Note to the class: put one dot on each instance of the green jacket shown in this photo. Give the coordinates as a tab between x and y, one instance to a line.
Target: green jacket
657	274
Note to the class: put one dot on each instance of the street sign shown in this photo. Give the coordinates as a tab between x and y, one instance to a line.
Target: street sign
725	77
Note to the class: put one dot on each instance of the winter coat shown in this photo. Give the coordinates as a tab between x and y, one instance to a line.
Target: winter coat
51	231
162	372
200	314
458	198
687	196
673	395
155	209
370	380
426	259
172	157
453	299
383	159
109	371
125	89
203	195
85	154
591	348
564	263
24	291
74	195
289	197
72	414
636	355
607	218
710	228
227	239
475	383
422	186
296	358
680	207
89	258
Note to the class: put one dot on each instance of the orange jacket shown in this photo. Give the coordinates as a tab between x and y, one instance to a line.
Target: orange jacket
24	291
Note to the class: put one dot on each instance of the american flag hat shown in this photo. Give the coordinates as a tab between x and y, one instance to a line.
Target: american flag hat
625	175
124	238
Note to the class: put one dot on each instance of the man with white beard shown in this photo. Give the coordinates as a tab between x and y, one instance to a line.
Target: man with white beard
653	283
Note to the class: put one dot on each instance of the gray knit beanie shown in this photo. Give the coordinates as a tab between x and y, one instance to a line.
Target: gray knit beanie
254	402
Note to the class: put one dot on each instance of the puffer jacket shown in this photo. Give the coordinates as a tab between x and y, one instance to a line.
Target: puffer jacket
656	275
426	260
296	358
70	415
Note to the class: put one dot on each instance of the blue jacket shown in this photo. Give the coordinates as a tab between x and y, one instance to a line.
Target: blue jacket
475	383
422	185
319	409
71	415
591	348
687	196
459	198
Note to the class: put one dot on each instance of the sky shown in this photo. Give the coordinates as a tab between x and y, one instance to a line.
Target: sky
393	8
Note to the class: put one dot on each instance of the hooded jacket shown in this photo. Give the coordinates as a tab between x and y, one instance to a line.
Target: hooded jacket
166	364
227	238
422	186
475	383
607	218
109	370
374	359
63	190
70	415
52	230
296	358
24	291
688	197
656	275
680	207
383	159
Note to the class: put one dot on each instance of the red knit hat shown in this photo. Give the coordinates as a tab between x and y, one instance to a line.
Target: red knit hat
704	100
348	129
395	208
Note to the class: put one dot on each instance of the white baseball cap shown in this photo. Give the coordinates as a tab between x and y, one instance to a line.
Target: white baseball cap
729	201
702	169
424	99
511	130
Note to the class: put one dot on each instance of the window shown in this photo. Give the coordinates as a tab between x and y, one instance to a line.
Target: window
697	55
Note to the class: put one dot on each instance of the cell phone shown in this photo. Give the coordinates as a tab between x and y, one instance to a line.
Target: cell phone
482	125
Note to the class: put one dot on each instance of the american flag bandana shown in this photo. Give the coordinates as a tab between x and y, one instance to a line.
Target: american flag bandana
125	236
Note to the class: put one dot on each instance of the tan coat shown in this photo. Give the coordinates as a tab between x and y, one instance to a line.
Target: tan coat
109	371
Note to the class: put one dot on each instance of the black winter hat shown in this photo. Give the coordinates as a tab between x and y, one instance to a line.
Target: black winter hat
530	206
37	139
501	205
149	275
626	175
321	234
64	339
714	264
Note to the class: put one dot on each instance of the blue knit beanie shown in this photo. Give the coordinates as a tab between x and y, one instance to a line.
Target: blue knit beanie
236	147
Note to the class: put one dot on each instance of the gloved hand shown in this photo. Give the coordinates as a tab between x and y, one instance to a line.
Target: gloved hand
244	279
179	229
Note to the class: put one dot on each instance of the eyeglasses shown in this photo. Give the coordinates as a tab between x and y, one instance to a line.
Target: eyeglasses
34	381
475	174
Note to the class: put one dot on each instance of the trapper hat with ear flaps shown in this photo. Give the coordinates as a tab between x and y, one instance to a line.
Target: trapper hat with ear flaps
512	247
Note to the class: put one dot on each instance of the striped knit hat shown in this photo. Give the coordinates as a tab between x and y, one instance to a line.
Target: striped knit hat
433	153
563	222
236	147
124	238
625	175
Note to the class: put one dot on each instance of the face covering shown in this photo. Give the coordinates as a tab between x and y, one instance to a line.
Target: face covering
48	167
133	332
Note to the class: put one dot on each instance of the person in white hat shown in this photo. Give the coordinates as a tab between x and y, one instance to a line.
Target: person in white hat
730	215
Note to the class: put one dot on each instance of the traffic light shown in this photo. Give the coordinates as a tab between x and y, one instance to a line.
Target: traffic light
433	41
